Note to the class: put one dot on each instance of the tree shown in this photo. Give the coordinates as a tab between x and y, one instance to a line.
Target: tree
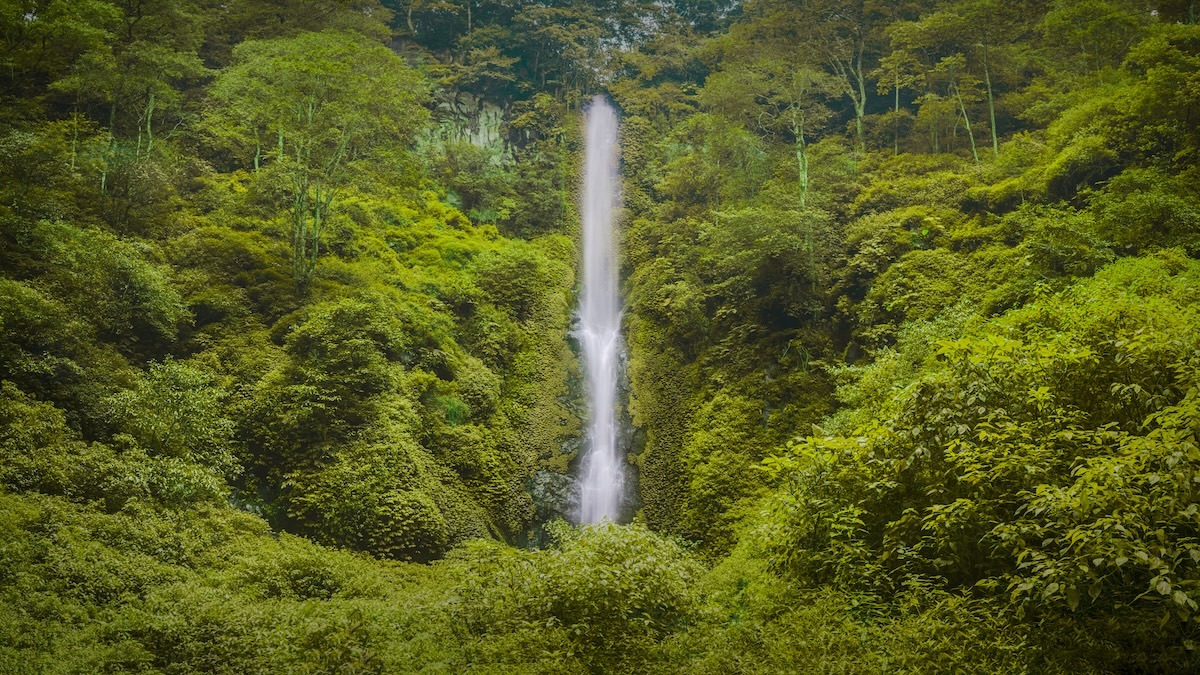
177	411
990	27
1091	36
931	45
841	36
951	69
979	33
329	102
897	71
137	67
706	16
432	11
780	93
41	39
565	44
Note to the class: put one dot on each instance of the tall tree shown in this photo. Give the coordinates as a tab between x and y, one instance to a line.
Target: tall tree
840	35
983	33
1091	36
931	47
776	94
40	40
328	102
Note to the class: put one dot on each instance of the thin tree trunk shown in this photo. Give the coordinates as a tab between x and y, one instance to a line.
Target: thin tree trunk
299	226
149	130
74	138
801	162
112	141
860	105
987	77
896	142
310	264
851	74
967	121
300	182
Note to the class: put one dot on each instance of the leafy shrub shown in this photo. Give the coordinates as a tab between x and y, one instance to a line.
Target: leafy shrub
615	591
36	443
176	411
1147	208
370	499
125	294
514	278
722	456
38	451
1053	472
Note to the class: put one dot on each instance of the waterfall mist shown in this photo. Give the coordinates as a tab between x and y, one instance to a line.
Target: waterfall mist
600	316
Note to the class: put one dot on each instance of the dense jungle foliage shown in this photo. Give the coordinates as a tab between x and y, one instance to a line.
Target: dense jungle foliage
288	383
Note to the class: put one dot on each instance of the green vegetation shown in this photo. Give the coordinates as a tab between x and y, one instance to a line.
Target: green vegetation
913	316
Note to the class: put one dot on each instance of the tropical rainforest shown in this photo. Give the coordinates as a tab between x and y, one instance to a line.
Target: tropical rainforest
289	380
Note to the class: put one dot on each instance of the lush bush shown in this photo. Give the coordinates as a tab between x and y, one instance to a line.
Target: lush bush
613	592
370	499
1053	472
751	621
176	411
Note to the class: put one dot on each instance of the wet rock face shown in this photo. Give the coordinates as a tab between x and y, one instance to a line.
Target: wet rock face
555	496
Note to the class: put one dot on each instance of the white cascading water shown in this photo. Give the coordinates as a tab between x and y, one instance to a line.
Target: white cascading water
600	316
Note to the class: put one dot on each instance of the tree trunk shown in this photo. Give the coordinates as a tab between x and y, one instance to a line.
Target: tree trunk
850	71
967	121
860	105
310	263
299	224
987	77
112	141
801	157
74	138
149	130
896	121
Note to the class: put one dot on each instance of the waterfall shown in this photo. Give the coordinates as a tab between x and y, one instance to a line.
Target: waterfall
600	316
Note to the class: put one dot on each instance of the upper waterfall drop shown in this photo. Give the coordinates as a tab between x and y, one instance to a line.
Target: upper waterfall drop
600	316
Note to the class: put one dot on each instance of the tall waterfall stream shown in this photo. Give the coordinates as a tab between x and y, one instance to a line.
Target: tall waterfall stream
600	316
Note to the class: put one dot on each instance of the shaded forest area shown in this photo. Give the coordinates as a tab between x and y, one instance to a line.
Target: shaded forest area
287	381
